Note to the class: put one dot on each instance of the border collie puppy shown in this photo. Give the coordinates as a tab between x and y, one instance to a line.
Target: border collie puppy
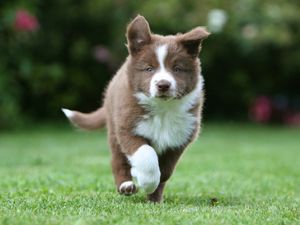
152	107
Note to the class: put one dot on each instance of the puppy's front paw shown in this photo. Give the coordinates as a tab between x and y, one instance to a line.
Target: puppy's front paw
127	188
145	168
147	180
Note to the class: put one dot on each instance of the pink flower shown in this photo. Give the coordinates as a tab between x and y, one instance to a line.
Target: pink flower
261	110
293	119
26	22
102	54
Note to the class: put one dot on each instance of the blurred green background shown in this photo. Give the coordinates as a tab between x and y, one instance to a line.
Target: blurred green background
62	53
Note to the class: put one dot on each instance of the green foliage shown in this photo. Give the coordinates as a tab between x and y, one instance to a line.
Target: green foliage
234	174
256	51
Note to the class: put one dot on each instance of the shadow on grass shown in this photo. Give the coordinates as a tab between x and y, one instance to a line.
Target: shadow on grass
188	200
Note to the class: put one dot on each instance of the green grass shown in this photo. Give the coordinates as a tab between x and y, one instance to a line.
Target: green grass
55	175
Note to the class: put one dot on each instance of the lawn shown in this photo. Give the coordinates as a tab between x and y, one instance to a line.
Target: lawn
233	174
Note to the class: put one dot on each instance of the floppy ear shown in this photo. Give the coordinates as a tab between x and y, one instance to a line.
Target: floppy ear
192	40
138	34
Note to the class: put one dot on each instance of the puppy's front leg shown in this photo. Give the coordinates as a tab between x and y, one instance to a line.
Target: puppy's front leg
143	160
145	168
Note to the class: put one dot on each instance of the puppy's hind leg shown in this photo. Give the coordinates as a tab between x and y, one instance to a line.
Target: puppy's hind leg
167	163
157	195
121	169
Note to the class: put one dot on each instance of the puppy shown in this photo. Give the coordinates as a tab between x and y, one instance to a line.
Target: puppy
152	107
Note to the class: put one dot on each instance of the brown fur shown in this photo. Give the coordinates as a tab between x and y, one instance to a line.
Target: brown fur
91	121
121	111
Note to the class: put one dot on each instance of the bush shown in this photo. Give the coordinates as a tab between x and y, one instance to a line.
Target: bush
66	57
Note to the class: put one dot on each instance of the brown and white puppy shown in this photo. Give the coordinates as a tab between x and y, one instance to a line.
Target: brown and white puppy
152	107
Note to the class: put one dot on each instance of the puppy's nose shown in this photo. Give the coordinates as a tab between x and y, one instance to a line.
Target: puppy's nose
163	85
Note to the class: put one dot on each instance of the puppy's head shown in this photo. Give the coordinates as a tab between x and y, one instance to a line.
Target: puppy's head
163	66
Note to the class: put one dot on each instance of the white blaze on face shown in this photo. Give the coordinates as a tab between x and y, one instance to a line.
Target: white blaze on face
162	73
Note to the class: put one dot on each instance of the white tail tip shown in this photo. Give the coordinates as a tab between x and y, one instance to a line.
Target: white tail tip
68	112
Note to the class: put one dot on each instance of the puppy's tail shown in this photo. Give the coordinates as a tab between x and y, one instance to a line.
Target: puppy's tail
87	121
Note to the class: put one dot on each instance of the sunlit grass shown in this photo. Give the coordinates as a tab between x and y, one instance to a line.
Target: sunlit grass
234	174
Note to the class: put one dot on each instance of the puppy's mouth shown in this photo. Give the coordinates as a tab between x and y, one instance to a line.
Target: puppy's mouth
165	95
165	98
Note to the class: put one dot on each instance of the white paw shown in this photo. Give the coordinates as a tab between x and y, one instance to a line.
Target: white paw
127	188
145	168
146	180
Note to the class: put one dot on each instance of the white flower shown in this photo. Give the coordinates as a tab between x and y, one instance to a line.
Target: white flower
217	18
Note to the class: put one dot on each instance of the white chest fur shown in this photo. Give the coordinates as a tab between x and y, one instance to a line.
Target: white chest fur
168	123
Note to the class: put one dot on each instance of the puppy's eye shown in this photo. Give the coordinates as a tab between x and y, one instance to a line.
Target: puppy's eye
177	69
149	69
